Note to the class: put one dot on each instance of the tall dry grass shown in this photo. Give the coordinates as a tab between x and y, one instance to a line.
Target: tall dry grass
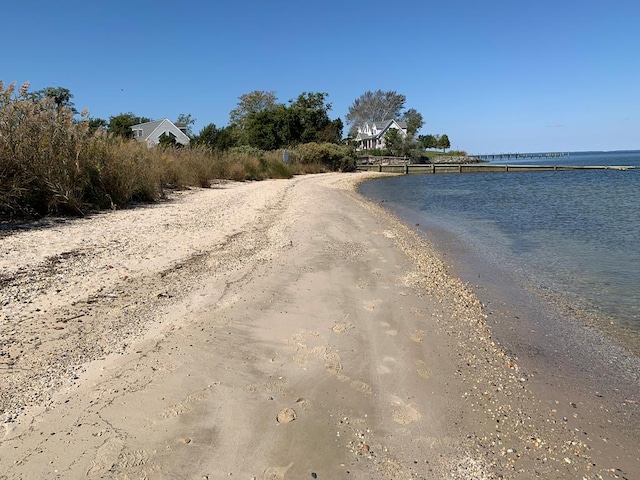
50	162
40	154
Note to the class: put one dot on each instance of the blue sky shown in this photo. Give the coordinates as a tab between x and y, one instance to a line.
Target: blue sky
495	76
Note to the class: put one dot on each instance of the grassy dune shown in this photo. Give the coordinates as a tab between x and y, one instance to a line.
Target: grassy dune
52	162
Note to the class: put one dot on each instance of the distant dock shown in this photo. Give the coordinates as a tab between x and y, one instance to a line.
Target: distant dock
433	168
508	156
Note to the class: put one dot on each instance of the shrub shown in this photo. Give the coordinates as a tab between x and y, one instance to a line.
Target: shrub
40	155
331	156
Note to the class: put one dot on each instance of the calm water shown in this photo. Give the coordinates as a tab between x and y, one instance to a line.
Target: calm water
572	237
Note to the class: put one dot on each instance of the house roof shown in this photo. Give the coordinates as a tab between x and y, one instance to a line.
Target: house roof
382	124
363	136
148	127
160	126
385	123
381	128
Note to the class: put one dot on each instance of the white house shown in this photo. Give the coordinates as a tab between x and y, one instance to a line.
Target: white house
371	134
151	132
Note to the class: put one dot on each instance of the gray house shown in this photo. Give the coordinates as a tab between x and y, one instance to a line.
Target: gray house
151	132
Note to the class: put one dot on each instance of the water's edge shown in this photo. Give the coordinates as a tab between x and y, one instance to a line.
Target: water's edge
557	345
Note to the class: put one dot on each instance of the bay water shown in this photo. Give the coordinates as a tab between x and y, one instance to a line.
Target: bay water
570	240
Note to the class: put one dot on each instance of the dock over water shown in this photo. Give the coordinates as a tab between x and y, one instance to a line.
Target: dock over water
433	168
500	156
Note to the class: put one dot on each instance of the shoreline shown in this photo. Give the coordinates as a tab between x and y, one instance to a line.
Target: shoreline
294	320
562	344
497	286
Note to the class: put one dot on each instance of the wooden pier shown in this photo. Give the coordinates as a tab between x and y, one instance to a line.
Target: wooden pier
433	168
508	156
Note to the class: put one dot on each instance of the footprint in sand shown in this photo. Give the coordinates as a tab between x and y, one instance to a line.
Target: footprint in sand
361	387
376	272
405	413
341	327
333	367
107	456
370	305
383	368
423	370
134	458
418	336
303	402
183	406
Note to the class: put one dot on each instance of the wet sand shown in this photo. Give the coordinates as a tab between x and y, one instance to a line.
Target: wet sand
270	330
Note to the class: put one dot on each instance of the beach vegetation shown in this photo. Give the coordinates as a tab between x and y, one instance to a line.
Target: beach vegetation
324	156
217	138
61	96
55	161
97	124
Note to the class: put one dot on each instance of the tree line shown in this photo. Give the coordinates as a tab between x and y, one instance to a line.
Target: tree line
261	121
54	159
258	121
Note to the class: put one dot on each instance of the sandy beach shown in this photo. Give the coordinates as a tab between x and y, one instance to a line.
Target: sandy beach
283	329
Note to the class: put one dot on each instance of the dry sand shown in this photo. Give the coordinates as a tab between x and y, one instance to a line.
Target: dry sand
271	330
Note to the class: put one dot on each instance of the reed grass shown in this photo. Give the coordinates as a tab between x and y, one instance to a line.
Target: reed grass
51	162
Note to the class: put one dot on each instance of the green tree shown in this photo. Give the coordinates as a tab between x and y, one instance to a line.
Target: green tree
402	145
61	97
219	139
444	142
250	104
393	141
332	132
185	122
96	124
310	122
414	121
167	140
269	129
206	136
120	125
375	107
305	120
428	141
